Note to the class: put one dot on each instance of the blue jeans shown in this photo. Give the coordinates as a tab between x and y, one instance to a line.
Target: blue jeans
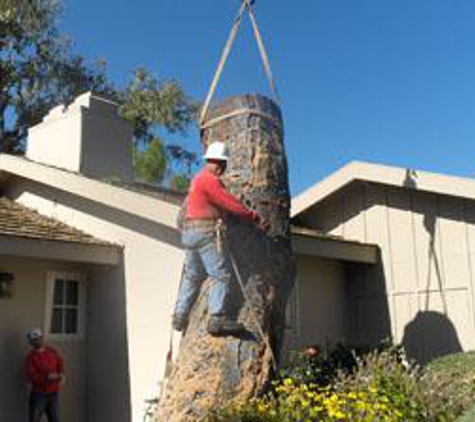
44	403
203	258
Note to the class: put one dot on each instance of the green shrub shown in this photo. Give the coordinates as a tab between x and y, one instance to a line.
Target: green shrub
322	368
449	386
468	416
375	386
340	387
388	372
293	401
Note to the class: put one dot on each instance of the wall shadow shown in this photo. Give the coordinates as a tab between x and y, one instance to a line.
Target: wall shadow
369	319
14	399
430	335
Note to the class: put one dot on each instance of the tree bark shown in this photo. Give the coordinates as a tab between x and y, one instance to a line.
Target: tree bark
211	371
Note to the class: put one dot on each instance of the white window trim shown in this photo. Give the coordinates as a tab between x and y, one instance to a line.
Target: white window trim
80	277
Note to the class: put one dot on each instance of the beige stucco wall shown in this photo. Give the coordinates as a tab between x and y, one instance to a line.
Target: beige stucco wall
320	304
426	282
106	355
152	268
19	314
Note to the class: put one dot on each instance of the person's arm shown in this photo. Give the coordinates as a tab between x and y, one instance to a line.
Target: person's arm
220	198
60	365
58	374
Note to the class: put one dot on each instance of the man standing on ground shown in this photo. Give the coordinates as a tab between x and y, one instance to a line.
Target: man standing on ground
44	372
207	205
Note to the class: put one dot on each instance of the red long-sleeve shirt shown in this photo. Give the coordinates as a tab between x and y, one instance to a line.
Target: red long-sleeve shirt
208	199
40	363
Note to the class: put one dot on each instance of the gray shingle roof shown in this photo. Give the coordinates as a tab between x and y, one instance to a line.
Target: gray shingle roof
19	221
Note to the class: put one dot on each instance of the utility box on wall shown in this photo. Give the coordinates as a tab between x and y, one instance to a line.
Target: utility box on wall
6	285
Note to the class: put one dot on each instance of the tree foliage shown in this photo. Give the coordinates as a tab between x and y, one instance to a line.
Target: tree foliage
38	71
37	68
151	163
152	105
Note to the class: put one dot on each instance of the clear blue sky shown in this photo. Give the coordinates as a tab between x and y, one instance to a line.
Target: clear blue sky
389	81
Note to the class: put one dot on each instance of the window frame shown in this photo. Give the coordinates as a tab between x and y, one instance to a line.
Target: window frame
80	278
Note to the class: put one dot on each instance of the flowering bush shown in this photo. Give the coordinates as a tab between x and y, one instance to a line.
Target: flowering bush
319	365
377	386
293	401
392	376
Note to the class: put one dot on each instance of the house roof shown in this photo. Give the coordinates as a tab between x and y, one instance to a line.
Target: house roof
171	196
387	175
21	222
155	204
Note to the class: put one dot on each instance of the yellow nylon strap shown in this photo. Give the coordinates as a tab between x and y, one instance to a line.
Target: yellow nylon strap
246	5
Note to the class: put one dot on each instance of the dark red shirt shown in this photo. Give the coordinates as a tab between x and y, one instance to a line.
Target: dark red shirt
40	363
208	199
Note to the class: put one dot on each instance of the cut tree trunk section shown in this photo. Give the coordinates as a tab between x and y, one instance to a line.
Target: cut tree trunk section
211	371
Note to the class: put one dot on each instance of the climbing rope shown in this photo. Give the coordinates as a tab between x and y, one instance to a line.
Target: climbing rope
252	311
247	5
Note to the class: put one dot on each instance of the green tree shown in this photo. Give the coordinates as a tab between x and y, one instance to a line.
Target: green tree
151	163
38	71
180	182
152	105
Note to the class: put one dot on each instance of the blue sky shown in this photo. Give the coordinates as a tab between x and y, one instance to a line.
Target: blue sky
389	81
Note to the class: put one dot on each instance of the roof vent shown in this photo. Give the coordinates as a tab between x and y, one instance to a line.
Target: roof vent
87	137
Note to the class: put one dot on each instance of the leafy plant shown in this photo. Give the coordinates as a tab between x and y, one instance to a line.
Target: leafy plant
449	386
389	373
320	365
378	386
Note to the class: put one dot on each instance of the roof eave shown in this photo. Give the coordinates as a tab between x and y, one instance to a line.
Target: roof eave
147	207
386	175
56	250
336	249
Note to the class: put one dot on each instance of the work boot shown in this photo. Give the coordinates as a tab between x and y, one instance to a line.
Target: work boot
179	322
222	326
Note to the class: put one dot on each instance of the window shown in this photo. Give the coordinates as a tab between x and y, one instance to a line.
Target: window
65	305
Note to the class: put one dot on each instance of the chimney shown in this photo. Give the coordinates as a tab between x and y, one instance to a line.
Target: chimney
87	137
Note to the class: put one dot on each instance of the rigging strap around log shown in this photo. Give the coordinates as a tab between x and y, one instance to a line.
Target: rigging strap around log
212	122
246	5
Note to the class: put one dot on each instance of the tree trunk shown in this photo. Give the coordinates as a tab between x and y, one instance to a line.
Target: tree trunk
211	371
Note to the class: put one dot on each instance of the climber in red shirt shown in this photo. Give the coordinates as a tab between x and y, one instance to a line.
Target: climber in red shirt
207	203
44	372
208	198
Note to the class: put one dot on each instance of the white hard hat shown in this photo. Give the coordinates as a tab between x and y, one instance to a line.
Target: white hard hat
34	334
217	151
